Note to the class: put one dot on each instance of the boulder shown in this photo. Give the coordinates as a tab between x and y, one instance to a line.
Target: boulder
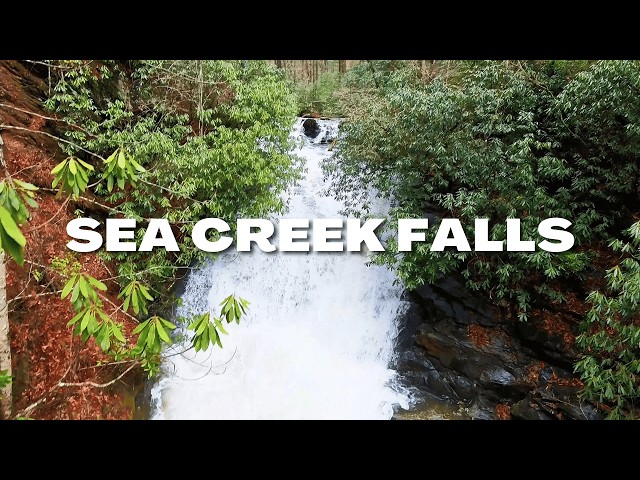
311	128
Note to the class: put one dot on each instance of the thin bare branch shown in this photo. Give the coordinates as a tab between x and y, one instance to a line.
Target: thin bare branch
53	119
55	137
97	385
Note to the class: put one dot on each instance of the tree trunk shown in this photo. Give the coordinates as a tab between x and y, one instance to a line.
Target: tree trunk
342	66
5	347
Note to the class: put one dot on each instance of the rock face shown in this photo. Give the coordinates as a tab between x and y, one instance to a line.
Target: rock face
453	346
311	128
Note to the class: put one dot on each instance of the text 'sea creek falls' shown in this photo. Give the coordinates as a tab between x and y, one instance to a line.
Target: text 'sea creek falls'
327	235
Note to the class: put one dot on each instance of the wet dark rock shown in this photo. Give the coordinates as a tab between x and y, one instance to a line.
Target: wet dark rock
525	409
455	346
497	376
311	128
463	387
482	409
582	411
548	346
545	374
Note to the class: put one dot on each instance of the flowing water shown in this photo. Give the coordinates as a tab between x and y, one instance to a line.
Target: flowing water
319	337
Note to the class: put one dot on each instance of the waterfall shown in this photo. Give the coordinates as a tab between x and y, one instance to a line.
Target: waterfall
319	337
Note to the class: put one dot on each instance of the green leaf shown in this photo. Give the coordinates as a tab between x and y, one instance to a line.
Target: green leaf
31	202
162	333
117	333
25	185
84	288
142	338
204	344
167	324
126	290
145	292
11	247
85	320
76	317
140	327
58	168
213	335
11	228
97	283
219	325
112	157
202	326
85	164
134	302
68	286
121	159
136	165
151	338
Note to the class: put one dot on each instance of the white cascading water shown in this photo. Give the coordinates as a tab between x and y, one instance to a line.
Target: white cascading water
318	338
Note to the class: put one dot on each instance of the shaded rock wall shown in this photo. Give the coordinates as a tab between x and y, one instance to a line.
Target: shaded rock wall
458	349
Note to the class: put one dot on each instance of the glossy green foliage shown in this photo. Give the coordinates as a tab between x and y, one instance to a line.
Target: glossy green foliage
198	138
153	332
90	319
495	140
610	335
207	330
83	289
14	194
136	295
121	168
72	175
85	293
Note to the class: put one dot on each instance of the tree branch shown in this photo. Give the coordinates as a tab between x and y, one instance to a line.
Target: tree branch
97	385
55	137
26	411
53	119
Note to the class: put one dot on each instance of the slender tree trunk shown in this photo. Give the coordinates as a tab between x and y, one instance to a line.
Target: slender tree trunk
200	96
373	73
342	66
5	347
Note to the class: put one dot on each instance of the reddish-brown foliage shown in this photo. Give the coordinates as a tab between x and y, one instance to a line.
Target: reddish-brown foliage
478	335
533	373
503	411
